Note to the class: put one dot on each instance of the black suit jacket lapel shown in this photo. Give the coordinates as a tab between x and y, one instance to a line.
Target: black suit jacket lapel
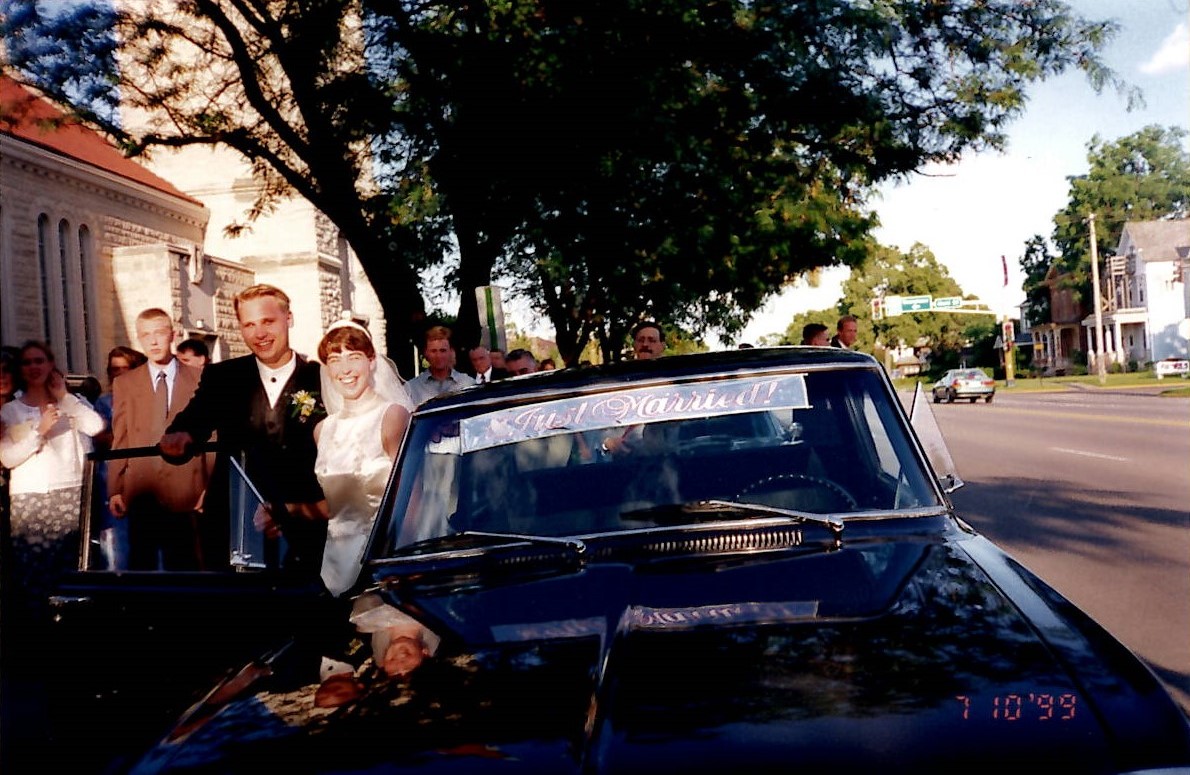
305	377
292	385
256	396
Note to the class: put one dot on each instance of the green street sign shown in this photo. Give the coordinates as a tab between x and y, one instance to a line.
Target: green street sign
948	302
915	303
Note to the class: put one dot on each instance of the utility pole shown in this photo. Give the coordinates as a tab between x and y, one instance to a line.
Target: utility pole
1008	334
1101	354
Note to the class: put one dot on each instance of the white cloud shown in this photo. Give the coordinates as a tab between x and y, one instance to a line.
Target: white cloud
1172	55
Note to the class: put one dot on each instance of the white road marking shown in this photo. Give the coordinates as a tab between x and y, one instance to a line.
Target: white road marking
1088	454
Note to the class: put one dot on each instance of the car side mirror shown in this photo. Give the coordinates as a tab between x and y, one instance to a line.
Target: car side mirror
921	417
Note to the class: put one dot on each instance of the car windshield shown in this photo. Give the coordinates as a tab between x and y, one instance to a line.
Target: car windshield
821	442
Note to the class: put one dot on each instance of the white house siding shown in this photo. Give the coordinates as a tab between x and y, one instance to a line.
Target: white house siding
1166	305
1154	250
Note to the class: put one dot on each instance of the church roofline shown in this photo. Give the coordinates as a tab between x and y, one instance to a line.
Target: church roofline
26	116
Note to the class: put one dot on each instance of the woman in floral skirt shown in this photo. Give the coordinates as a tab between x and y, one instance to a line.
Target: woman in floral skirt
47	435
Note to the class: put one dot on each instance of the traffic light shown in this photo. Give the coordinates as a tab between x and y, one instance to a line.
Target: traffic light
878	308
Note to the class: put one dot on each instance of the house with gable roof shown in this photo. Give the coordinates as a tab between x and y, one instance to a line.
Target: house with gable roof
1146	301
1061	342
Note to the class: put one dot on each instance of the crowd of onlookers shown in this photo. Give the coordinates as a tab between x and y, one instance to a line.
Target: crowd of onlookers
49	427
147	513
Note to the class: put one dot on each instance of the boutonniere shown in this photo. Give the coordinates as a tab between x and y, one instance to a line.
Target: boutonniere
304	404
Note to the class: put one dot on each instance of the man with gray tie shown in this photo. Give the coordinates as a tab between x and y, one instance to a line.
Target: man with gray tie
161	502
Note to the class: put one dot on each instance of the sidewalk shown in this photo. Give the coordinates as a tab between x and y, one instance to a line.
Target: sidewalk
1128	390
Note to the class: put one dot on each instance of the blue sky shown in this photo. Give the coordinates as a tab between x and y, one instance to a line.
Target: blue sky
988	205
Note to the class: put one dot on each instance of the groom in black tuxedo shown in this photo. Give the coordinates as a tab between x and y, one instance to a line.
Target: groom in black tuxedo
264	408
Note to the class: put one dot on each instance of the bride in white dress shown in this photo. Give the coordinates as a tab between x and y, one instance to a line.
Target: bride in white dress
367	413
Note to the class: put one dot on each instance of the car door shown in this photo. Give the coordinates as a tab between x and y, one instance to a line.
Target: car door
135	647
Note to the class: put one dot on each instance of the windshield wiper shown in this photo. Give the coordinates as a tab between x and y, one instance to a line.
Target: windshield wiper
472	552
571	543
718	507
462	545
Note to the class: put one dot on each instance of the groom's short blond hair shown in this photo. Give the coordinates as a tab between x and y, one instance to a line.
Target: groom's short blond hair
259	291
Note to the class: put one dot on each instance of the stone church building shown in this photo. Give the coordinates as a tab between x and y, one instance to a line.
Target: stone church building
89	238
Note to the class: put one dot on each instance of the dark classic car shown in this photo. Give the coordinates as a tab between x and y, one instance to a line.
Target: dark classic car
767	575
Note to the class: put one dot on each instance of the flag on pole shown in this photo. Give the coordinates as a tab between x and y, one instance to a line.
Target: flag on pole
1004	265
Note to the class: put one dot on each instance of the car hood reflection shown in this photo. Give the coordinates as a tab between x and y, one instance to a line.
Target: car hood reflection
876	657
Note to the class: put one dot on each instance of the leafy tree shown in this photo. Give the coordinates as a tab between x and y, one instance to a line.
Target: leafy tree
1036	264
977	347
1141	177
699	227
793	332
621	158
890	272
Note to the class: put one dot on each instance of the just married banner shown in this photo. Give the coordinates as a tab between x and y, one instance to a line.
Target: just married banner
638	406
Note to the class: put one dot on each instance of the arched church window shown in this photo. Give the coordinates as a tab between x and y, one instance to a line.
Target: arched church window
87	290
66	346
43	266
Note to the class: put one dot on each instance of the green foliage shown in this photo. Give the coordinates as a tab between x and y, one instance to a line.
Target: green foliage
614	159
33	41
890	272
769	137
1036	264
980	334
678	342
793	332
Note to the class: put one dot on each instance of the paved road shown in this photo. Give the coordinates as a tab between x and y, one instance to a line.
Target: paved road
1090	490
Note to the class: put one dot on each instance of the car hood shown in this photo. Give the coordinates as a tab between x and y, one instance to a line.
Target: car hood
885	655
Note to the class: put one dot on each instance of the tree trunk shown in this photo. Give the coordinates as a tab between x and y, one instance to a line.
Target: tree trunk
476	259
396	286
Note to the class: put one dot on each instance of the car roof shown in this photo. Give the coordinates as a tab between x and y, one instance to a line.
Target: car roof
671	367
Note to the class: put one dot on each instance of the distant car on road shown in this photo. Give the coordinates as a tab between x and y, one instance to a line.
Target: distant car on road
972	384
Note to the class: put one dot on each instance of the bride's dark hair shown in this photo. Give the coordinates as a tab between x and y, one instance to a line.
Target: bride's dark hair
342	338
